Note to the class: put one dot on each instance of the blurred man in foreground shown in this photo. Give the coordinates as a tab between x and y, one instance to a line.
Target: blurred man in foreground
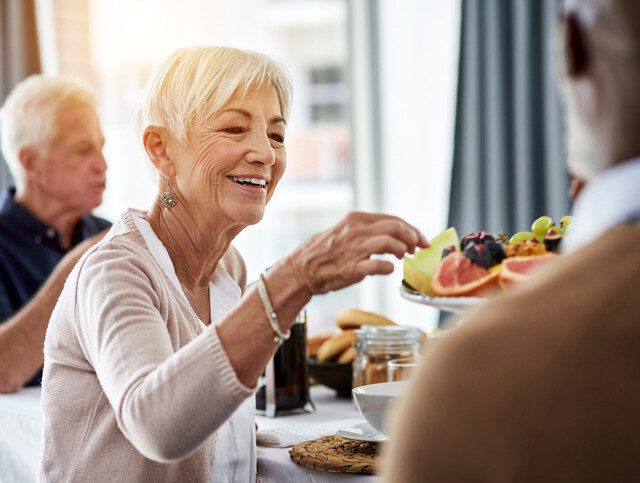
542	384
52	142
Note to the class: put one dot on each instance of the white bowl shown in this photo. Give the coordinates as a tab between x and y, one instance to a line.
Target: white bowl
373	401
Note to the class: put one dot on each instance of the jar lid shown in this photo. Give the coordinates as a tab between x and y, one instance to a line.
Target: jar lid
387	334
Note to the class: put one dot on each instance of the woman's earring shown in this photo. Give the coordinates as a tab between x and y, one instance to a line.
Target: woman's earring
168	198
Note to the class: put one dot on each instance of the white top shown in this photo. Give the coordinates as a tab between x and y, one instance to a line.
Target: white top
611	198
234	459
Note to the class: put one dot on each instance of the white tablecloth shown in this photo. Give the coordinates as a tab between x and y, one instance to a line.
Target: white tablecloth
21	445
20	433
275	465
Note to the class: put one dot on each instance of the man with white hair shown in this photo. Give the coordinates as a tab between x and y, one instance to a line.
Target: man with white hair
542	383
52	142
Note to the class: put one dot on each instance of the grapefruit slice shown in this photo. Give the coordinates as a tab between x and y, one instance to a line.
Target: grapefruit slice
419	269
457	276
517	269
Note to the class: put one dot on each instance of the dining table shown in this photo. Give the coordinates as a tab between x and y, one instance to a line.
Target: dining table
21	423
331	412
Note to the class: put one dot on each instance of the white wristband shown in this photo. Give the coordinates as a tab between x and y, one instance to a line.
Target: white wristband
280	336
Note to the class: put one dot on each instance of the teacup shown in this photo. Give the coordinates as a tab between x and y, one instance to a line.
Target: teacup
374	400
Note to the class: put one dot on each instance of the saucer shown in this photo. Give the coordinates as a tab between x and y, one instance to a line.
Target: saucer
362	432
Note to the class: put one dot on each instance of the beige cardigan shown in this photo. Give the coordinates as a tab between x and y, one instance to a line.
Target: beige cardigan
135	385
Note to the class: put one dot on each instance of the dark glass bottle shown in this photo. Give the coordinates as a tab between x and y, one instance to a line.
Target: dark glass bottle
287	374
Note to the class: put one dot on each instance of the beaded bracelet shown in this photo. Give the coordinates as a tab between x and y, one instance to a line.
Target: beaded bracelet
280	336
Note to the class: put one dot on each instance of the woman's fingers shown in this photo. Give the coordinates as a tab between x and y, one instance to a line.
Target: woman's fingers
381	223
398	229
422	240
341	256
364	217
381	244
373	267
358	217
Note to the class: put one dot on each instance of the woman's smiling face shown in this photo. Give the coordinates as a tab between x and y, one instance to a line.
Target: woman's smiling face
232	165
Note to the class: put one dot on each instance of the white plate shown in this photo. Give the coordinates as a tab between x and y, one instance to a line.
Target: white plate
448	304
362	432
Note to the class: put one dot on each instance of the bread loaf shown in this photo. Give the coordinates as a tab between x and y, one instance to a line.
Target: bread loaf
315	341
347	356
337	344
354	318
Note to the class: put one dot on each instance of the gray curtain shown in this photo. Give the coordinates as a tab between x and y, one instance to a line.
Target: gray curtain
19	53
508	165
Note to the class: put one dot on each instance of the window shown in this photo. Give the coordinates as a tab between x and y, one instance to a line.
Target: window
328	95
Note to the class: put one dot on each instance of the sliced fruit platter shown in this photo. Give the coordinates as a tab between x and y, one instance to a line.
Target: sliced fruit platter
454	274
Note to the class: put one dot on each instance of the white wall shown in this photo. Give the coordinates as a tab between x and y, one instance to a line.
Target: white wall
419	42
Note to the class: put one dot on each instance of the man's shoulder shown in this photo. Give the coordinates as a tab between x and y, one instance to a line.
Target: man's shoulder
9	229
103	223
95	224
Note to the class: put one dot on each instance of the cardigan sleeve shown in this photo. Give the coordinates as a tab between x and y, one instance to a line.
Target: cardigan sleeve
166	402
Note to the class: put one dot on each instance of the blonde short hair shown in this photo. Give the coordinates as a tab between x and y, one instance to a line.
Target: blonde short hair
30	112
193	84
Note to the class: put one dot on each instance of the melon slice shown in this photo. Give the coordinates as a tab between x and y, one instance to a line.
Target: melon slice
418	270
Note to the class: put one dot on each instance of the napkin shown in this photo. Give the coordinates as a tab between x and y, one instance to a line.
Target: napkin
296	433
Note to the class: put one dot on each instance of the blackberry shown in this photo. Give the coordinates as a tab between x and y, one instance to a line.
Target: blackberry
473	253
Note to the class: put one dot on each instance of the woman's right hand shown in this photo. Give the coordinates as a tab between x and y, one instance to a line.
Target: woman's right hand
331	260
341	256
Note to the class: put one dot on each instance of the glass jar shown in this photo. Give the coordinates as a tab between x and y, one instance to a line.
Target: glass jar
376	346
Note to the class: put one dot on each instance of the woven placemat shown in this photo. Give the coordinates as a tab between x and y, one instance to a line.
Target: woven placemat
337	454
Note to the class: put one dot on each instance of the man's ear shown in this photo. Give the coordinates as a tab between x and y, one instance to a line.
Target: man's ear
28	158
576	56
155	141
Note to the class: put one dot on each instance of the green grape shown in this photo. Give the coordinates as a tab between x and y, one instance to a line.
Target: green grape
565	221
520	237
540	226
557	229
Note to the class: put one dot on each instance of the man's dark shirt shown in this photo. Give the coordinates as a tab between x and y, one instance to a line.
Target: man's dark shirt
29	250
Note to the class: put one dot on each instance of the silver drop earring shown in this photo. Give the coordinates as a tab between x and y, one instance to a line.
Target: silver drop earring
168	198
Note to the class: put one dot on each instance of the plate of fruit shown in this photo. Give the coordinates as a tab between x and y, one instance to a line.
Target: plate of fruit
454	274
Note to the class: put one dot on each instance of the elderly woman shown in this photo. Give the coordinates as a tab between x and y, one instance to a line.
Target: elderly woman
153	352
